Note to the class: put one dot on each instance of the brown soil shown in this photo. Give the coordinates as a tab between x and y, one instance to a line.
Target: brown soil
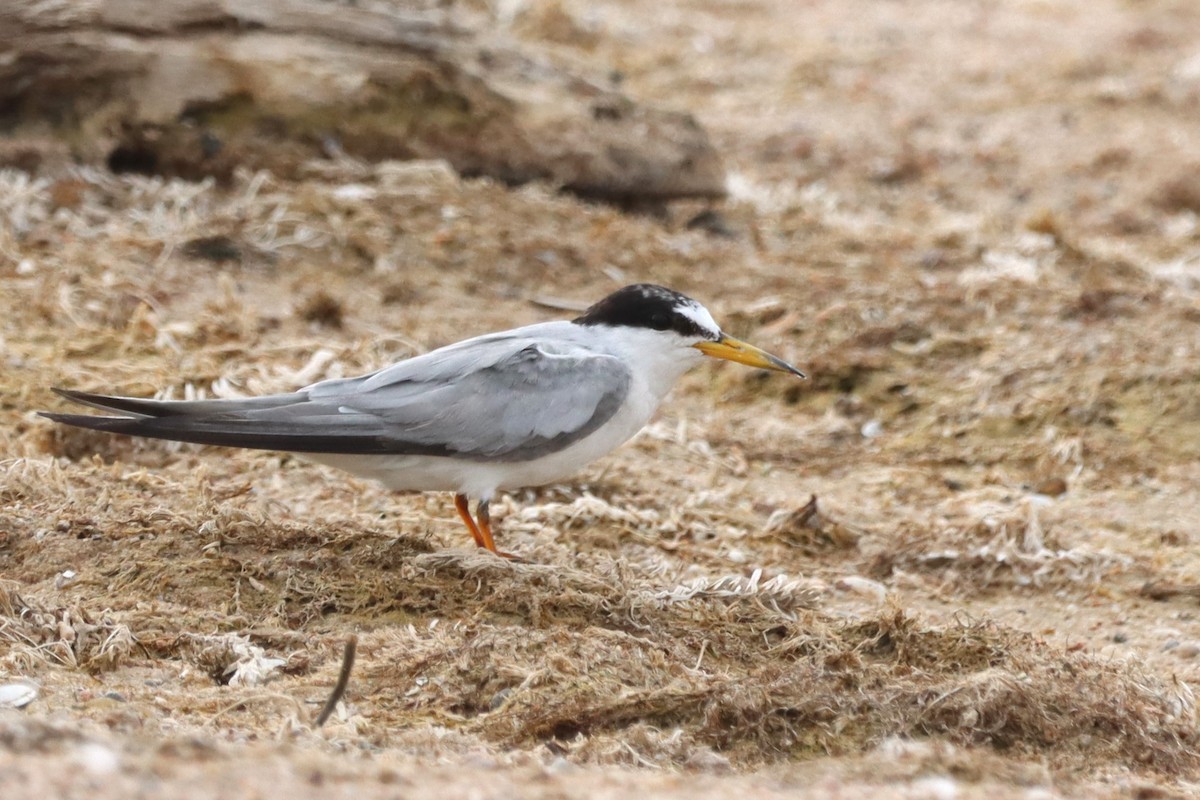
974	226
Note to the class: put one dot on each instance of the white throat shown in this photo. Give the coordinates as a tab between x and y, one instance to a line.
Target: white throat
657	358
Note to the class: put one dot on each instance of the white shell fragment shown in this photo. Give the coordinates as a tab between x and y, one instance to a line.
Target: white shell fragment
252	667
862	586
17	695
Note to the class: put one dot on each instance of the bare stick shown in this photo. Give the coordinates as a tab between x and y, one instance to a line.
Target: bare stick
343	681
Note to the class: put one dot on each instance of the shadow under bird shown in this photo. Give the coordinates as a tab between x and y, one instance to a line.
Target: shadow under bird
523	407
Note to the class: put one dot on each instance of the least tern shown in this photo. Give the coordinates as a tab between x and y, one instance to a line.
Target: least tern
518	408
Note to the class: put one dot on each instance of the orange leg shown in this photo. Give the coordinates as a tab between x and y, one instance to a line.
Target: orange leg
485	531
482	532
485	527
464	511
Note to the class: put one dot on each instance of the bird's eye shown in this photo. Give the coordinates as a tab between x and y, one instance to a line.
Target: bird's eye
660	321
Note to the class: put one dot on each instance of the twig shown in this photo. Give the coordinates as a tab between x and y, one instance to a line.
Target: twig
1162	590
343	680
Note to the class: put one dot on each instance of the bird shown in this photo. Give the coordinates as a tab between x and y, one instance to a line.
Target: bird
499	412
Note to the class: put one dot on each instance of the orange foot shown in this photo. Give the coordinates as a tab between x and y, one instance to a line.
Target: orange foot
482	532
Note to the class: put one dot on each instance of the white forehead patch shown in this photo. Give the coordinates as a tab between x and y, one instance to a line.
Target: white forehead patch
699	315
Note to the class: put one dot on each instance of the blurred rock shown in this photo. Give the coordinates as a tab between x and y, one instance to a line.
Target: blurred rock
711	221
197	90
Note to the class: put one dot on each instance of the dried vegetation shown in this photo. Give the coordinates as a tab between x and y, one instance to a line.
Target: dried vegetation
923	569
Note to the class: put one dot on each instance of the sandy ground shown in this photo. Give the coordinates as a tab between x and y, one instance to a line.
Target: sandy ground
974	225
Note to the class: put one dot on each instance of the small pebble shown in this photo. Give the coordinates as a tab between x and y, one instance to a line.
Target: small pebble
1188	650
1052	487
713	222
498	699
706	760
97	758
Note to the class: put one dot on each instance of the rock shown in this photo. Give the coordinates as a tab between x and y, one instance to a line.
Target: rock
1051	487
705	759
711	221
199	89
1188	650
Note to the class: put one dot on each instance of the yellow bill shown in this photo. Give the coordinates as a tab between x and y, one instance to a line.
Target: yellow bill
732	349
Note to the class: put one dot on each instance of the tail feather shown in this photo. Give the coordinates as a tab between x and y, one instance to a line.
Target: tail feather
143	407
262	423
250	434
110	424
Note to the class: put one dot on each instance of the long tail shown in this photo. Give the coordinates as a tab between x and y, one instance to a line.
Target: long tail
288	422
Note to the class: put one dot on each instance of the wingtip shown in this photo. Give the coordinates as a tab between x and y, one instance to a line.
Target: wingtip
55	416
74	395
95	422
126	406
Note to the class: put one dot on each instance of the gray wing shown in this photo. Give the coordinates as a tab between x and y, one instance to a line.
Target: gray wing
536	399
497	398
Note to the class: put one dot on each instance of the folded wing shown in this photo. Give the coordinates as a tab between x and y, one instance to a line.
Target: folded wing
503	399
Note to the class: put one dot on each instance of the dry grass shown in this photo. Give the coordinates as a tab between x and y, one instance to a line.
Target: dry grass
919	572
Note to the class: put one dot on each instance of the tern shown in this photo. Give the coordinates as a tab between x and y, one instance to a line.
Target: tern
503	411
